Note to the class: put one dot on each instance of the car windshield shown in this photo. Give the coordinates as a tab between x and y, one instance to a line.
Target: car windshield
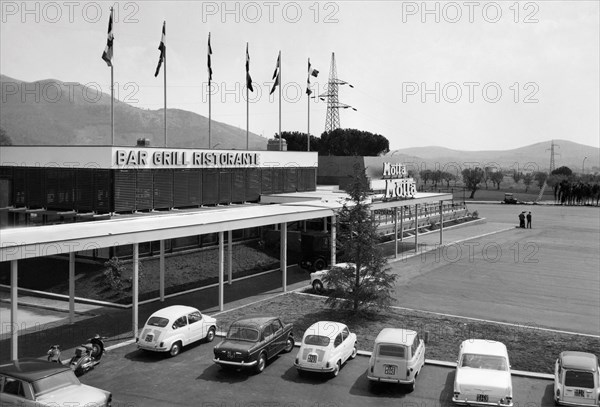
489	362
577	378
392	351
243	333
158	321
316	340
55	382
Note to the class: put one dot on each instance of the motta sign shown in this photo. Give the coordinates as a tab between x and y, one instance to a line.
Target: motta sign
397	183
178	158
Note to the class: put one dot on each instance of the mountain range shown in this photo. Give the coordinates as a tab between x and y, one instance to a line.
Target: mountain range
51	112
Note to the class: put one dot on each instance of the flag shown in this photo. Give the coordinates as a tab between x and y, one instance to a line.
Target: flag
163	48
311	72
248	78
108	50
208	59
276	73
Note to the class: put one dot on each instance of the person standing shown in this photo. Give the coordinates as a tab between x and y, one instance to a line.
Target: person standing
529	220
522	220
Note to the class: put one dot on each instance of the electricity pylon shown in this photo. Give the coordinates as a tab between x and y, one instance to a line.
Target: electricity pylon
332	120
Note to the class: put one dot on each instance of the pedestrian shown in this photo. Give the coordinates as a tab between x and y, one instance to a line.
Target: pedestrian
529	220
522	219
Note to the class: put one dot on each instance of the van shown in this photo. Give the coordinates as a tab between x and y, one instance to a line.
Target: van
398	357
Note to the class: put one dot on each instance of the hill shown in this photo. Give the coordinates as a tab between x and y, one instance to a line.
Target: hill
51	112
532	157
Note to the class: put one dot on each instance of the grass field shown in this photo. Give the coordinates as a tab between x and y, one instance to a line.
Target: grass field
530	349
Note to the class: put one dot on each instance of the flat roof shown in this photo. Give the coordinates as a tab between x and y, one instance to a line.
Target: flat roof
39	241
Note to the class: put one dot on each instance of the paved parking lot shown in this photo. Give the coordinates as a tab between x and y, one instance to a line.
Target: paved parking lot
192	378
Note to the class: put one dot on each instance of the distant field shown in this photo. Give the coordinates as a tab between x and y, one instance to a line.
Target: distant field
493	194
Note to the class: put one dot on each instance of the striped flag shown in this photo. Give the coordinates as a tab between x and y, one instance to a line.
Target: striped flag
108	50
276	73
163	48
248	78
208	59
311	72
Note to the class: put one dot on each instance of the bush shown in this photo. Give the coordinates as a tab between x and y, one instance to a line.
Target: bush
113	273
475	215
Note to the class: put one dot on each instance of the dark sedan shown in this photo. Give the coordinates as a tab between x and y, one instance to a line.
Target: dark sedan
250	342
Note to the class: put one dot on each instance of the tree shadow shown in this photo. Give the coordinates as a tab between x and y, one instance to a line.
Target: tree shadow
221	374
366	388
311	378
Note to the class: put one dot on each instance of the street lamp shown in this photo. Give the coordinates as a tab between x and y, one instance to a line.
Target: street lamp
583	165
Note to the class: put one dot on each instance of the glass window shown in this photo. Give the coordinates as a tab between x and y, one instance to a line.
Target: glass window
158	321
489	362
316	340
393	351
276	326
338	340
194	317
576	378
14	387
242	333
415	346
345	333
180	322
54	382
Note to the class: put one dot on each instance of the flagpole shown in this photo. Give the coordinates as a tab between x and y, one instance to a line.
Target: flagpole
308	125
280	86
247	104
112	106
209	92
165	82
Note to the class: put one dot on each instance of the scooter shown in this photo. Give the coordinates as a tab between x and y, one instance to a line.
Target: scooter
88	355
54	354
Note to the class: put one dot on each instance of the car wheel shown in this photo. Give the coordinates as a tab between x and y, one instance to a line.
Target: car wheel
354	352
210	335
262	362
289	345
337	368
175	349
320	264
318	286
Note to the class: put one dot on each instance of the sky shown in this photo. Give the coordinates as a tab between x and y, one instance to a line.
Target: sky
467	75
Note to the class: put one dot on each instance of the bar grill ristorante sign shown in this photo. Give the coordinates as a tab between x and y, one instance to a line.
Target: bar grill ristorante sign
397	184
184	158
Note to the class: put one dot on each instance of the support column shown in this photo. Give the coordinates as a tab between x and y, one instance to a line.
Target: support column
396	232
325	224
221	269
134	286
71	287
229	256
333	239
14	317
441	222
402	223
283	256
161	276
416	226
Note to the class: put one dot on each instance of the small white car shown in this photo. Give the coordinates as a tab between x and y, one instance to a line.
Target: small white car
325	347
171	328
398	357
483	374
577	379
316	278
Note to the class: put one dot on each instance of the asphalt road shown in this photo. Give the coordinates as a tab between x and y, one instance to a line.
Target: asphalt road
192	379
547	276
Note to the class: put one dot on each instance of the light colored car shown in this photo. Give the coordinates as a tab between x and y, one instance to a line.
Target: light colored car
577	379
35	382
398	357
172	328
325	347
483	374
317	279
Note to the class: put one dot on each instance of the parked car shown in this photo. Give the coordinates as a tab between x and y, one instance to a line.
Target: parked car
576	379
172	328
36	382
398	357
250	342
325	347
317	278
483	374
